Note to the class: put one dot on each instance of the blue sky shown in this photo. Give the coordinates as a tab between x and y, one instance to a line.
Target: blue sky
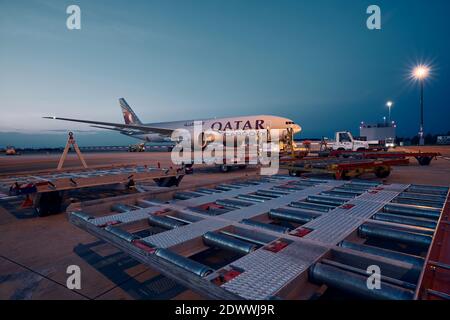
312	61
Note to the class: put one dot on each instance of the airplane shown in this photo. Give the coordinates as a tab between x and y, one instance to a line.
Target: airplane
161	131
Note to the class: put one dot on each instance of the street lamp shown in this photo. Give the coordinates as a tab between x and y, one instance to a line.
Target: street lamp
420	73
389	105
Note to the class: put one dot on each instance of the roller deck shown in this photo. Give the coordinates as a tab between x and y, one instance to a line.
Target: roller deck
282	246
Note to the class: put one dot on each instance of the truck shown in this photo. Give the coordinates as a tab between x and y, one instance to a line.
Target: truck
344	141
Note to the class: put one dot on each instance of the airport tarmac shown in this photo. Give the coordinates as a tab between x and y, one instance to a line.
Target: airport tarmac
35	252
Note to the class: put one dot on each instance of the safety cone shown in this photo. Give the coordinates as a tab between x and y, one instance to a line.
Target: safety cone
27	203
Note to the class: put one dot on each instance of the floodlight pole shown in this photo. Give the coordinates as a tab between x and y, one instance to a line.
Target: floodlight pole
421	134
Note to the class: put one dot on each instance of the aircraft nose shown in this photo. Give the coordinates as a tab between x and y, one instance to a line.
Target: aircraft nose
296	128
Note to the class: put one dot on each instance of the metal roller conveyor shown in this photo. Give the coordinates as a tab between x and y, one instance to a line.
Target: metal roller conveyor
184	221
185	263
194	193
149	202
236	204
395	218
365	183
295	216
206	191
312	206
245	238
223	188
181	196
226	242
428	190
353	186
348	191
304	183
416	261
421	203
125	235
288	188
253	197
253	182
280	191
164	222
383	278
410	210
118	207
217	212
267	226
270	194
427	187
356	284
229	185
344	195
334	201
420	196
315	180
186	195
212	211
417	239
243	184
263	196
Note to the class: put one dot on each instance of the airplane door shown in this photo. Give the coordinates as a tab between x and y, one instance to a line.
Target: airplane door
268	128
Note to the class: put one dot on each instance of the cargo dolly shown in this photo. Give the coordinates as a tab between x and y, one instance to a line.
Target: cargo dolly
45	191
423	158
280	237
342	168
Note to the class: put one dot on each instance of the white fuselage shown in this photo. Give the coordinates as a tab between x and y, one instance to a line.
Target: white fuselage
229	126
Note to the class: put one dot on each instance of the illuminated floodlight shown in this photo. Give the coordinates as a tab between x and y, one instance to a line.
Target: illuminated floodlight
421	72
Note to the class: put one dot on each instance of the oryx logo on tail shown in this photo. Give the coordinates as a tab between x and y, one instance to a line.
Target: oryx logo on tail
128	114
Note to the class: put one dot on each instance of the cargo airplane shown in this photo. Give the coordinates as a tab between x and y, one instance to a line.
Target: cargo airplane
162	131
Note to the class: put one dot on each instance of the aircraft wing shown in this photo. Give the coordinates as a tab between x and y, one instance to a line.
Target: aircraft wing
121	130
115	126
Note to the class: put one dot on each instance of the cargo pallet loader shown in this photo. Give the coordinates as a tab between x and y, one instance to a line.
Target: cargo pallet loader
342	168
423	158
284	237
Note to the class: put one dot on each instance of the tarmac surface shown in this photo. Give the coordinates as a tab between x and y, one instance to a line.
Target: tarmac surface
35	252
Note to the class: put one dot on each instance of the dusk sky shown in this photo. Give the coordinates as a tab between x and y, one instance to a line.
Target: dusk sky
315	62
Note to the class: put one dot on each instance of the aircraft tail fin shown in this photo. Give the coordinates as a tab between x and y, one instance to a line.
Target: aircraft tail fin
128	114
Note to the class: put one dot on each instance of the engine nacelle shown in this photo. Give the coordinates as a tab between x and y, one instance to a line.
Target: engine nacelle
205	138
